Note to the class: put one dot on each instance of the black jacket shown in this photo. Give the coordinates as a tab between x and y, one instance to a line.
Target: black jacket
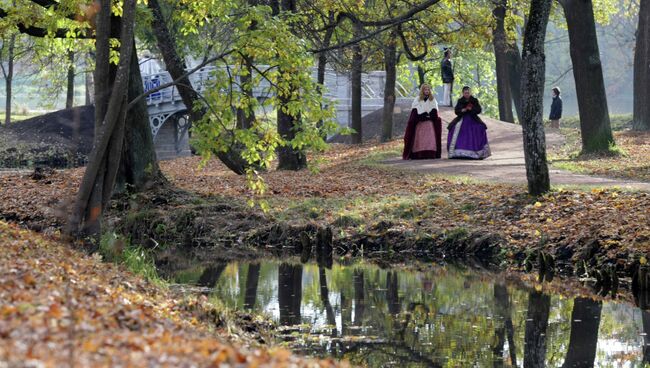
446	71
462	103
556	109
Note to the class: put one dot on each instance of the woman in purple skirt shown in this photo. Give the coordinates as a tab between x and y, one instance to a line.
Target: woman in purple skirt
467	137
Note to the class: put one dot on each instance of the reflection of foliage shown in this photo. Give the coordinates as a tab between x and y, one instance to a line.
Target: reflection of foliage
445	317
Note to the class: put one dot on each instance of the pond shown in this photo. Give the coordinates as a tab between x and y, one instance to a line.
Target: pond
444	317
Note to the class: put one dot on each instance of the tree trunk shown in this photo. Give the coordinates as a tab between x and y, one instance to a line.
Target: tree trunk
289	158
9	77
322	64
514	76
355	85
390	63
138	166
501	58
90	90
642	69
246	116
585	321
69	99
110	111
539	306
176	67
174	64
532	88
595	126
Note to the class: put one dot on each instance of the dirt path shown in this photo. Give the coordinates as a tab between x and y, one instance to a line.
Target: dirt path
507	162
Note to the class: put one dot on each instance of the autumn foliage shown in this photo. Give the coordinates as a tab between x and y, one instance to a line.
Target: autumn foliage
63	308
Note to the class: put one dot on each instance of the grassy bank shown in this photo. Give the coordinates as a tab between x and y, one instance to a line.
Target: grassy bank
375	212
627	160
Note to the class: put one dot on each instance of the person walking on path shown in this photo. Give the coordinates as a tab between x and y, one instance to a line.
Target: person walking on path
467	137
447	74
556	109
422	138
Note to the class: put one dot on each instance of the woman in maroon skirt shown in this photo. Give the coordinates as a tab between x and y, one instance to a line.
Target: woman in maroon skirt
424	128
467	137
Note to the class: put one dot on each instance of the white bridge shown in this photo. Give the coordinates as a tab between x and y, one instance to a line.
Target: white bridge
166	105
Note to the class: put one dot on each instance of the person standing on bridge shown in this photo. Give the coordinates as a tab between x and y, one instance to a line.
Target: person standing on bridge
467	137
422	138
447	76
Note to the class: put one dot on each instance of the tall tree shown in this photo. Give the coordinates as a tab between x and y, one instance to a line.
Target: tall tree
595	127
138	162
390	65
514	71
289	158
500	42
532	91
111	107
111	110
8	73
641	119
69	98
14	47
355	86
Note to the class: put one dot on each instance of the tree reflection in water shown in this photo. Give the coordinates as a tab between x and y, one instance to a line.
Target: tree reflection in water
252	280
289	293
447	317
585	321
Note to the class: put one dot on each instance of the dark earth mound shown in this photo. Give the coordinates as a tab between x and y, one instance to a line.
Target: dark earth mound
58	139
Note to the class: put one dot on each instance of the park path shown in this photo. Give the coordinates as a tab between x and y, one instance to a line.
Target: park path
506	165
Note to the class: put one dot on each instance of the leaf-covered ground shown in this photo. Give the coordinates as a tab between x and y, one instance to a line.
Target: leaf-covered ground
631	161
63	308
354	192
358	196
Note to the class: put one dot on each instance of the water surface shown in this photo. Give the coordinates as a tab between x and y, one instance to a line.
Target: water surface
446	317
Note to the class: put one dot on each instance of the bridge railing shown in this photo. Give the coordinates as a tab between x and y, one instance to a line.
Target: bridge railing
337	86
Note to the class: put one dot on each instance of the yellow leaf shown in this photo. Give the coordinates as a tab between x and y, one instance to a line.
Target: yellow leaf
538	204
643	260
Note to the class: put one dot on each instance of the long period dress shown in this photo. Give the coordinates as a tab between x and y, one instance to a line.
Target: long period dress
422	138
467	136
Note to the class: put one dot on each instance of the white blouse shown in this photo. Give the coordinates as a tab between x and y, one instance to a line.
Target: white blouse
425	106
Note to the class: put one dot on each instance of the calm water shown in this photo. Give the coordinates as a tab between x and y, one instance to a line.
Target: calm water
446	317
